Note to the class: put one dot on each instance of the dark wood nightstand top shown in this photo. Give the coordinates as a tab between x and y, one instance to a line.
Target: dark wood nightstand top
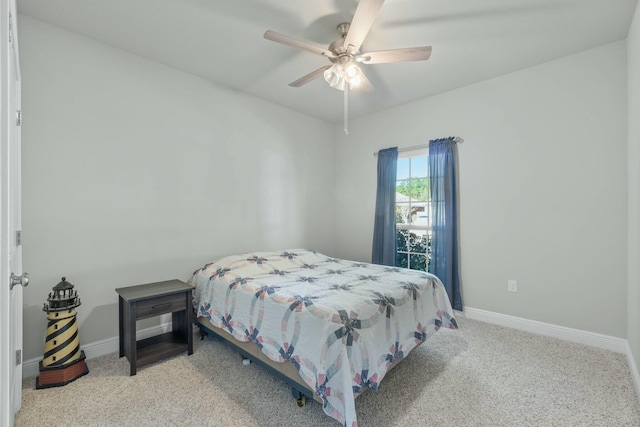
148	290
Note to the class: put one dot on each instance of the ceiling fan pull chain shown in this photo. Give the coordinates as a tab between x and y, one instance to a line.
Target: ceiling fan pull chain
346	108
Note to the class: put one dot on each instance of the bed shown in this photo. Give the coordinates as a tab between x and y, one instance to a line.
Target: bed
331	328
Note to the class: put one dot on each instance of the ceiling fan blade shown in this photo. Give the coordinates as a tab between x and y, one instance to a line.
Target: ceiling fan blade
290	41
396	55
311	76
365	15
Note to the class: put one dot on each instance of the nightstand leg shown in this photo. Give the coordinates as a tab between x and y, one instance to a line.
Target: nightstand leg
133	351
120	326
189	325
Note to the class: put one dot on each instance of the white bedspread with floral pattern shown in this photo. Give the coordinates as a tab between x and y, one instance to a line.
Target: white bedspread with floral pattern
340	323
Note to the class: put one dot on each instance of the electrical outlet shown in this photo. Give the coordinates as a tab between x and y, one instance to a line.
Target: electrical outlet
512	285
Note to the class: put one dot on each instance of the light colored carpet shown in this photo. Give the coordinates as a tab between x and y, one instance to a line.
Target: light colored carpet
481	375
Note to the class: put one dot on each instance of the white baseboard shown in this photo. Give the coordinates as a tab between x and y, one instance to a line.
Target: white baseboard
634	370
619	345
31	367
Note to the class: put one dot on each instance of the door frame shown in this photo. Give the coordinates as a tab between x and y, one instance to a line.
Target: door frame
10	251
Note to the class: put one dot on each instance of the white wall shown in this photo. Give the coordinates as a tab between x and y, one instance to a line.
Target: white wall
543	187
135	172
633	156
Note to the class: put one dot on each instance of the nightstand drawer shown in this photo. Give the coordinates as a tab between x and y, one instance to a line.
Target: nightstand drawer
161	305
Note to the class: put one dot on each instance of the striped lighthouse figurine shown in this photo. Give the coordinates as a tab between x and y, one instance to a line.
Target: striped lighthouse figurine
63	360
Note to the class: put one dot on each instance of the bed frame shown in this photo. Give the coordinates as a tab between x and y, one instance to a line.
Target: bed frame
285	371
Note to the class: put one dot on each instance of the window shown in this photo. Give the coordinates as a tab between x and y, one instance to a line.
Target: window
413	213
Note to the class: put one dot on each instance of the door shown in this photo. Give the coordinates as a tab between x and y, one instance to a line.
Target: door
10	218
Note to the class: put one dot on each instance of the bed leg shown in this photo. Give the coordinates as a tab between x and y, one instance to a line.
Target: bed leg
202	334
301	399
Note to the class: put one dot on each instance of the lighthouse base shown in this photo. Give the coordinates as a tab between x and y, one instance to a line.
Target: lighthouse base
56	376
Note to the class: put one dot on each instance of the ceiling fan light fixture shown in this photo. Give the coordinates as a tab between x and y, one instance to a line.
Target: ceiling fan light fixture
334	75
355	81
351	71
343	72
353	75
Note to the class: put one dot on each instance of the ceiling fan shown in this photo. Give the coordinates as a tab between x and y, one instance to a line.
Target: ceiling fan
344	53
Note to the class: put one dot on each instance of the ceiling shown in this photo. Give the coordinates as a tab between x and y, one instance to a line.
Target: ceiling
222	41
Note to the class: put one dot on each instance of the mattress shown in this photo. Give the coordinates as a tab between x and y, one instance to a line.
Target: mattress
341	324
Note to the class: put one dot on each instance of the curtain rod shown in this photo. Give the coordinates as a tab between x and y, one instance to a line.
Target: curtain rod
415	147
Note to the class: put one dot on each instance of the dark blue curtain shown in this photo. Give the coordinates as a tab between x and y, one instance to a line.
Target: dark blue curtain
384	227
443	157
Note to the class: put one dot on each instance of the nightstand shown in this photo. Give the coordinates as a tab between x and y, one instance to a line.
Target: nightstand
149	300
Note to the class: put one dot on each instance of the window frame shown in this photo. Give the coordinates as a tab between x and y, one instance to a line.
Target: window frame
424	229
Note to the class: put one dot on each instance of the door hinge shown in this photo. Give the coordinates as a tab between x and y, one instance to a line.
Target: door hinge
18	357
19	117
18	238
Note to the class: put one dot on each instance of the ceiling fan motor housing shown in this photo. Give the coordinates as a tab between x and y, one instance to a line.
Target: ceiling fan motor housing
337	47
